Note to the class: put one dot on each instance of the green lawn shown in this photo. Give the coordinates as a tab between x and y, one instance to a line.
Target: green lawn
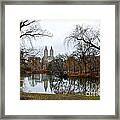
40	96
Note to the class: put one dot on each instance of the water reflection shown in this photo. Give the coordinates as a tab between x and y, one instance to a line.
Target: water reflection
42	83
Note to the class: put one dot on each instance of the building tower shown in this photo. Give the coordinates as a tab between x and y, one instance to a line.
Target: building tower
51	52
45	52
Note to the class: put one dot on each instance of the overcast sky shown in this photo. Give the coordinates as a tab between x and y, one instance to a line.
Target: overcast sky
61	29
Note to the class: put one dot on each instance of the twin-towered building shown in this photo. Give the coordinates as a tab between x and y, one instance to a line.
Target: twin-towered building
47	58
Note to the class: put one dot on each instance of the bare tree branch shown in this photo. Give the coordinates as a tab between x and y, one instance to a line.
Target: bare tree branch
24	23
36	34
86	36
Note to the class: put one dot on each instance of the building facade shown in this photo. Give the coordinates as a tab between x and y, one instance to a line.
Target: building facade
47	58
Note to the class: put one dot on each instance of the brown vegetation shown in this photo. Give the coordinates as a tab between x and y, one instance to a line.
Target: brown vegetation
40	96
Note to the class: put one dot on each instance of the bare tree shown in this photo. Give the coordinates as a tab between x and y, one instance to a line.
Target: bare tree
88	36
86	40
56	66
30	30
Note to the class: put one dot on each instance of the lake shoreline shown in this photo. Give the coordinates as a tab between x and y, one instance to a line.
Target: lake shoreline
42	96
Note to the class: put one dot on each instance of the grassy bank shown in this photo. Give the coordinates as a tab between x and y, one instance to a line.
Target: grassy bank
40	96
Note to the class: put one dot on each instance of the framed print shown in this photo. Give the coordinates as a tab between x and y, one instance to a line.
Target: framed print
59	59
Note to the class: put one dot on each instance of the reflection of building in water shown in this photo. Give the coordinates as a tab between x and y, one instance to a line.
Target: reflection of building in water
46	59
45	85
46	81
32	85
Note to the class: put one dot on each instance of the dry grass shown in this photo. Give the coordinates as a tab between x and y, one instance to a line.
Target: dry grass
40	96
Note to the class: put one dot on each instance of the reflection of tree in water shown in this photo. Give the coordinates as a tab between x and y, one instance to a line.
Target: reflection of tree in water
83	86
34	79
